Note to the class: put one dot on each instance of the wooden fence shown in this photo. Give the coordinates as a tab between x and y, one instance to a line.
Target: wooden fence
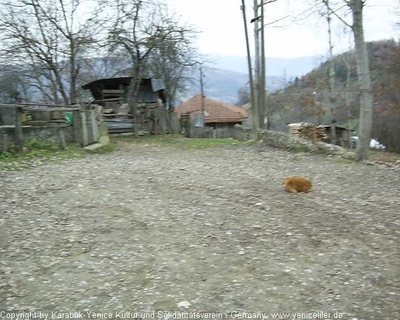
208	132
87	120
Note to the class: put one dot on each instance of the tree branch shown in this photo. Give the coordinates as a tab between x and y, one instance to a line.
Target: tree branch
326	2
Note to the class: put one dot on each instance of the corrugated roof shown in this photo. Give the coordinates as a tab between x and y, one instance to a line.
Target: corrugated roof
156	84
215	111
150	89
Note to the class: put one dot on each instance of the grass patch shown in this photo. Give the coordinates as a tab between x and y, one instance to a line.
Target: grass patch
107	148
298	147
209	143
176	141
37	152
344	161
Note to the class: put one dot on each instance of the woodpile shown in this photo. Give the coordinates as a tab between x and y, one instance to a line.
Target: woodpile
306	130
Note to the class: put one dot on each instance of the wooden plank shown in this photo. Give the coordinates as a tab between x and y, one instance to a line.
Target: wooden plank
18	129
117	115
95	127
49	109
109	99
15	105
11	105
90	123
109	91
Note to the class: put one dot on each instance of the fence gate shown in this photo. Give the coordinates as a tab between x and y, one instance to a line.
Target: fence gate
86	124
92	126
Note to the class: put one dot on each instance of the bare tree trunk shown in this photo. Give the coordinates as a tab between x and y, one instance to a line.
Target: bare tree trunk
133	94
364	78
332	99
347	86
73	76
347	62
133	106
60	84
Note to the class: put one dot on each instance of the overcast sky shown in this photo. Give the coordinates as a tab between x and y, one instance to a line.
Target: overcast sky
222	31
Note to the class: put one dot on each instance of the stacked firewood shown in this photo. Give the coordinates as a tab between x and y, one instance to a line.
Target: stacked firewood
306	130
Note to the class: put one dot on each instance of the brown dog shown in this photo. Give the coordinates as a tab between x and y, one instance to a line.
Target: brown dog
297	184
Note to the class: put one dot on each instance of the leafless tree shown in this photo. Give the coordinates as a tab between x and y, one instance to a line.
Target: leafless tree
52	36
364	76
139	28
173	61
13	88
332	96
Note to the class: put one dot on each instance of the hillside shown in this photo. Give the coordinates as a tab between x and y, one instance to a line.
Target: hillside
306	98
223	85
277	67
230	73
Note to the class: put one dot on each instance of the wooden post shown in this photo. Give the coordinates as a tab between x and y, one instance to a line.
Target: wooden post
77	126
63	144
5	142
156	121
80	127
84	131
18	129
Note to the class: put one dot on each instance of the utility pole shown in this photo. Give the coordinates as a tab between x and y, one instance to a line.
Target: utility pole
263	107
202	98
263	93
257	61
252	93
260	74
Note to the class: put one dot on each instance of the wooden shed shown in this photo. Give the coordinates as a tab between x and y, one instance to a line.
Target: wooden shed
112	93
342	134
316	132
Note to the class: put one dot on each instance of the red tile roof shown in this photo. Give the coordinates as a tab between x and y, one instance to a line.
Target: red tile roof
215	111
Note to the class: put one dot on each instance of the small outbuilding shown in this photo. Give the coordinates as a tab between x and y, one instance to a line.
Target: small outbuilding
217	114
112	93
316	132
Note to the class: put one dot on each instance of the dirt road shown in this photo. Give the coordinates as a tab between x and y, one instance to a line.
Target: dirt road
165	228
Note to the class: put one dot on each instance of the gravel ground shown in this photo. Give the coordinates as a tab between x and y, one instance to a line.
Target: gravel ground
162	228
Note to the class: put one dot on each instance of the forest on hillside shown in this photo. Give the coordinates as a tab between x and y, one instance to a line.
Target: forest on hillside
307	98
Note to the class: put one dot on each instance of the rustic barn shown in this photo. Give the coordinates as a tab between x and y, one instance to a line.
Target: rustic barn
113	92
113	95
217	114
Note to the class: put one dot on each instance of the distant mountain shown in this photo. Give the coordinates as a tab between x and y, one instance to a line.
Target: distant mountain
231	73
279	67
227	74
223	85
